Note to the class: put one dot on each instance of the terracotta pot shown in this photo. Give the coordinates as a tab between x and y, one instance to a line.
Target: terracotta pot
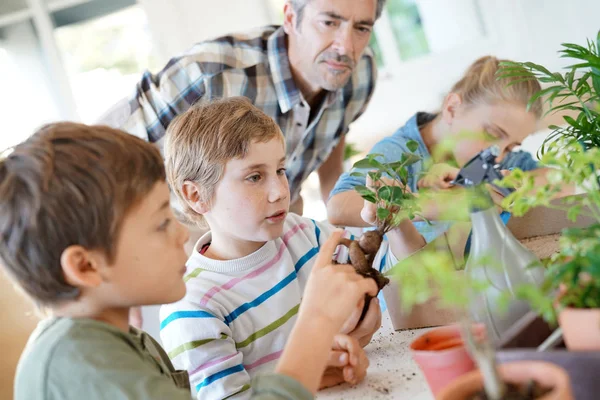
545	374
581	328
441	355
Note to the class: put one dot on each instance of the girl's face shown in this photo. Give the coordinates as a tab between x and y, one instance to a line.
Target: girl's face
504	124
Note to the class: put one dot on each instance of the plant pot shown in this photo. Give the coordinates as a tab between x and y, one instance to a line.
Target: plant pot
441	355
521	372
582	367
581	328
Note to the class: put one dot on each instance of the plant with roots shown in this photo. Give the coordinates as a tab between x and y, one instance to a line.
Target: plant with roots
387	189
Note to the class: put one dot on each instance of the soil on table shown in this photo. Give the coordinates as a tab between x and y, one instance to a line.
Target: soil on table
529	391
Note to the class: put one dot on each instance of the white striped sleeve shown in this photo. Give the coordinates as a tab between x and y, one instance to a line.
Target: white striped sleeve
201	343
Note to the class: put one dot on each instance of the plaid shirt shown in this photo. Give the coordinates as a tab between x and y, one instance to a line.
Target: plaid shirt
255	65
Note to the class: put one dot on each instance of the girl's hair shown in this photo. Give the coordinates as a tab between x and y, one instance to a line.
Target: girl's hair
481	85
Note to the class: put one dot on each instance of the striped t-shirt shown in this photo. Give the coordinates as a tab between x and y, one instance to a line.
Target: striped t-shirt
237	315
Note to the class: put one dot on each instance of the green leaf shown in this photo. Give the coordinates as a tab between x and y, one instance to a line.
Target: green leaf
367	163
543	92
382	214
403	174
412	145
357	174
409	159
571	122
366	193
392	194
574	212
596	79
374	175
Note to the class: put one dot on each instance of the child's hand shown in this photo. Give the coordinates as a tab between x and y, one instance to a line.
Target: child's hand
355	368
439	176
369	210
333	292
364	331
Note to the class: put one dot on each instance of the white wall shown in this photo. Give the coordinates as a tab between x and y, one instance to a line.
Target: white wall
177	24
522	30
23	75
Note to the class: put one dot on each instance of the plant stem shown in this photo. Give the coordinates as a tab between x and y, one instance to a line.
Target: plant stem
485	357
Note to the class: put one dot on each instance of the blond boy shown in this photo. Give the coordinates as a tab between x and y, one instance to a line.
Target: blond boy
226	162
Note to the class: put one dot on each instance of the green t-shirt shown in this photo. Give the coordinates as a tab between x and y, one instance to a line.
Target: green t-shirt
68	359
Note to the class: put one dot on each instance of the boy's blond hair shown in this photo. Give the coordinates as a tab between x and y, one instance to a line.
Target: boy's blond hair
202	140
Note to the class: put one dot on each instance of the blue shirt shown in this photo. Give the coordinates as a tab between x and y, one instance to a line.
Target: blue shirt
392	148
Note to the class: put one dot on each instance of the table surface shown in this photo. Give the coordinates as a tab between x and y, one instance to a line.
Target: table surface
392	373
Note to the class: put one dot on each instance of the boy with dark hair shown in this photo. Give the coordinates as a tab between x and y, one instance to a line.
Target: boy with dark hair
86	230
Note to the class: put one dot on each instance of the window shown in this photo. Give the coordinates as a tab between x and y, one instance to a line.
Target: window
411	29
70	59
407	27
105	57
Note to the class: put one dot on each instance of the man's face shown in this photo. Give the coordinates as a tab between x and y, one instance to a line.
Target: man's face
327	42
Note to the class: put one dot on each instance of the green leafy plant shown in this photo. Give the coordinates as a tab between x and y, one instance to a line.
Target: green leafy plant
432	271
394	203
389	188
572	275
577	89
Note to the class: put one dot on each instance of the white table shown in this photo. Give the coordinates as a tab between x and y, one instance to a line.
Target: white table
392	373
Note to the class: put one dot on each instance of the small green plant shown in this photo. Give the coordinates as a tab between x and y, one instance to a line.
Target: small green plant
394	202
572	275
389	188
577	89
431	272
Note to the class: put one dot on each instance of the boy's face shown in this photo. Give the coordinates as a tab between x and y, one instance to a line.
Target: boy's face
252	198
150	260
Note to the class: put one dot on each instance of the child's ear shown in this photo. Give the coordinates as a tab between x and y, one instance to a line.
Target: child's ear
449	109
80	267
193	197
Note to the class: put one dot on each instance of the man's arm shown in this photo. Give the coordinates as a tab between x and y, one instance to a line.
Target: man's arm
331	169
158	99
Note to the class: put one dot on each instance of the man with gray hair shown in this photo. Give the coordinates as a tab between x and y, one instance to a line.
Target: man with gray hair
314	76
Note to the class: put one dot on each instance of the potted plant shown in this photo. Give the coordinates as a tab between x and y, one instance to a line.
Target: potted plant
442	352
432	273
571	291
